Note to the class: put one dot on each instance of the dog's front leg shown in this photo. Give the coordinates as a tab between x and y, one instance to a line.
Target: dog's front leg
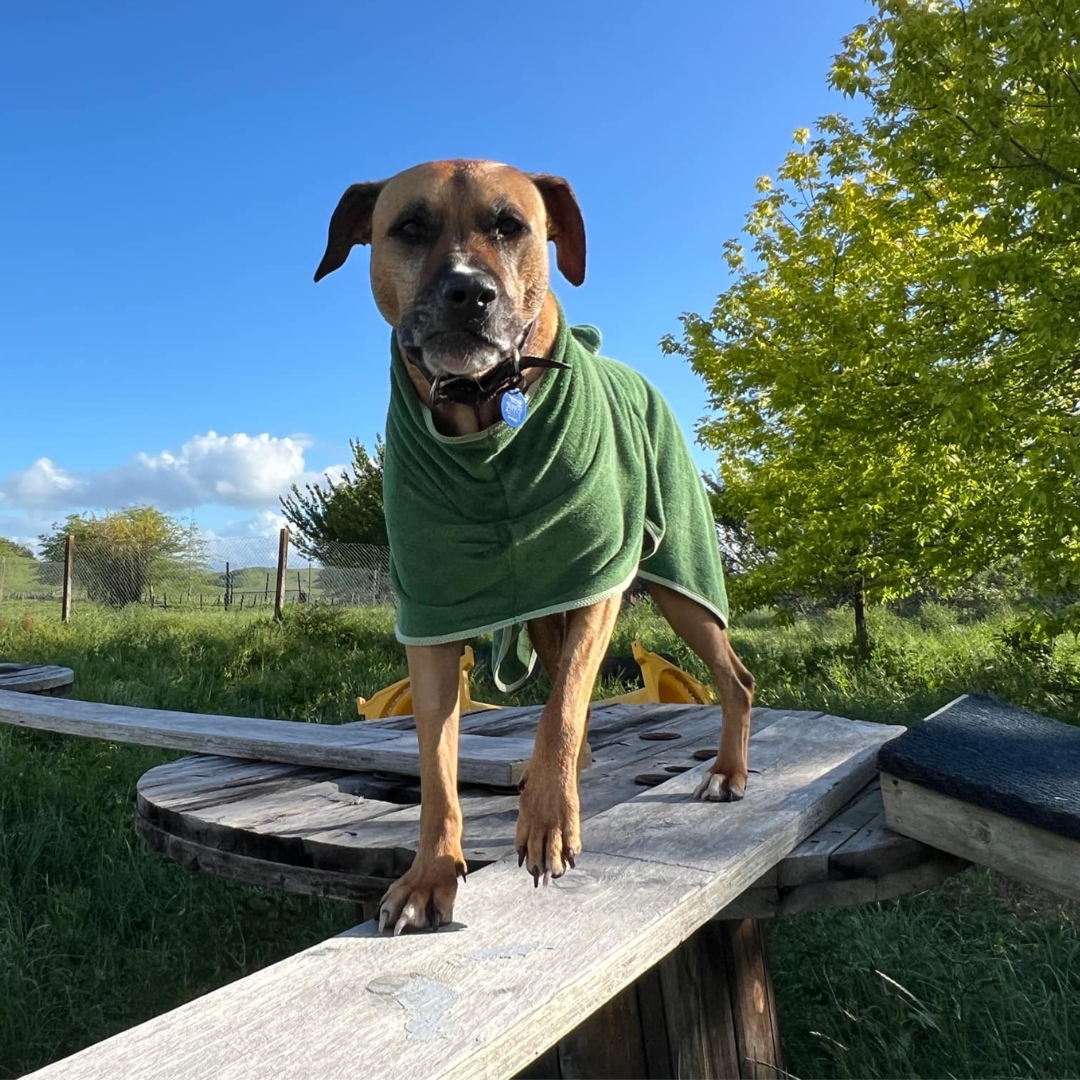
549	816
423	898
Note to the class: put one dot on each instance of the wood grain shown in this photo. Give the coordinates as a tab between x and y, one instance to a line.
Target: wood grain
753	1002
482	760
233	807
319	826
521	967
1014	847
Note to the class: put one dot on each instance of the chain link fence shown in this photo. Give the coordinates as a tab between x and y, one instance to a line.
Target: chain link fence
217	574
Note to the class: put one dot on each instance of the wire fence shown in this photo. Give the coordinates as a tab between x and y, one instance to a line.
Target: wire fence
219	574
222	574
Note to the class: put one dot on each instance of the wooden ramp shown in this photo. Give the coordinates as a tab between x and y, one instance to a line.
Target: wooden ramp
520	967
483	760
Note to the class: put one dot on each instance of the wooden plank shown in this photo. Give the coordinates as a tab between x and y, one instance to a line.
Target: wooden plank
608	1045
875	850
34	678
810	861
1014	847
482	760
753	1001
670	832
191	781
694	988
754	903
208	807
491	821
927	875
772	903
520	967
307	881
654	1034
544	1067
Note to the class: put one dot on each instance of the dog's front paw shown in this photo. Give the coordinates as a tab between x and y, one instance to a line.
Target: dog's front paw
549	825
423	897
722	785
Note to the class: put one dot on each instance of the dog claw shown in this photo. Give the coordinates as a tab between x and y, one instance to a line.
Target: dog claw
521	853
408	915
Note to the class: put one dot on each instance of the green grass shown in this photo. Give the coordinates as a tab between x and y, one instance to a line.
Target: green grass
98	933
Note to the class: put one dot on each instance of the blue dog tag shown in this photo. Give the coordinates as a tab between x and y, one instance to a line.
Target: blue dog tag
514	407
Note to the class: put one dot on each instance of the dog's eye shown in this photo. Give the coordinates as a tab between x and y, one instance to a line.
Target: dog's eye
410	230
507	227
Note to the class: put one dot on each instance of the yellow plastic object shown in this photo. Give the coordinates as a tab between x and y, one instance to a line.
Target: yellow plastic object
396	700
664	684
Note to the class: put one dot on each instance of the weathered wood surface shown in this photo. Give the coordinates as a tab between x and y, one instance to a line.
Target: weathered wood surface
46	679
348	835
520	967
983	836
483	760
368	826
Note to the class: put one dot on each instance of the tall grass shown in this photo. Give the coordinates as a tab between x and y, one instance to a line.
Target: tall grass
97	932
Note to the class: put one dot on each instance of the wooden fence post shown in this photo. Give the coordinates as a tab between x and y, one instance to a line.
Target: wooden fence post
69	549
228	588
282	559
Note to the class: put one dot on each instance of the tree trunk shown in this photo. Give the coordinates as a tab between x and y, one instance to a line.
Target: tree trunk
862	635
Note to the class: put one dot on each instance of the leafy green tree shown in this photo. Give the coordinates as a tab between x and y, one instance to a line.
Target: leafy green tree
976	109
120	555
348	511
12	549
895	371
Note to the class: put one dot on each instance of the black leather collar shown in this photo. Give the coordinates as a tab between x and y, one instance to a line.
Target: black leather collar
506	375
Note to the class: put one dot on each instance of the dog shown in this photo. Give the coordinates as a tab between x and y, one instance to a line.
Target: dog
460	270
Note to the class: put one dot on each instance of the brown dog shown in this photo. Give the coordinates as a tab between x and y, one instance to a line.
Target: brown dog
459	268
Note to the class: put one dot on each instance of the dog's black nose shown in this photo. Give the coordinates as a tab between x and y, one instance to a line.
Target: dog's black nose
468	289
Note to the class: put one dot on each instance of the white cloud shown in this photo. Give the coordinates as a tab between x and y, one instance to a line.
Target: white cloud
239	470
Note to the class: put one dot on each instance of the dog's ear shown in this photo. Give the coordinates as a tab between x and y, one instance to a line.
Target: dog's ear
565	225
349	225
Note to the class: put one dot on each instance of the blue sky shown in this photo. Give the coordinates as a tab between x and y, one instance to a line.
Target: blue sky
170	168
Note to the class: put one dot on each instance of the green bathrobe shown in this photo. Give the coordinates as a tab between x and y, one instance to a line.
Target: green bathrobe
596	487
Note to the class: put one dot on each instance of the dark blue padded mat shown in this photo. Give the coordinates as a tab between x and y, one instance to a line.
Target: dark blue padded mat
996	756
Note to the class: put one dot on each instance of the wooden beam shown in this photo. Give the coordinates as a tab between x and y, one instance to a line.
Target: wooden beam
65	605
483	760
520	967
1014	847
282	560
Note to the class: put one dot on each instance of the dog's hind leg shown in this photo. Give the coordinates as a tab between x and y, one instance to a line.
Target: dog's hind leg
549	817
547	635
423	897
703	632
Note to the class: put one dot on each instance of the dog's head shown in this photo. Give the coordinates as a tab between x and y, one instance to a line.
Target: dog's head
459	263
